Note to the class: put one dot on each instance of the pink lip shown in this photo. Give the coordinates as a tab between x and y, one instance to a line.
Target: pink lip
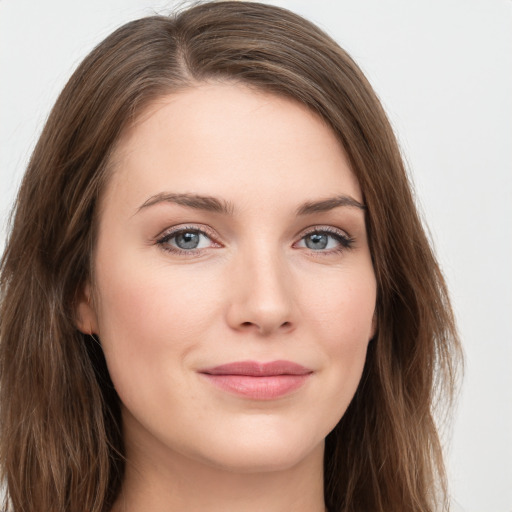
259	381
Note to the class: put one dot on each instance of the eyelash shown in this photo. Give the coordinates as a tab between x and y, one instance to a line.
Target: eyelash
174	232
345	241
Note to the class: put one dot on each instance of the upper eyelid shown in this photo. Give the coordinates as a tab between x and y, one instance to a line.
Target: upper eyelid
163	240
319	228
212	234
346	240
207	230
174	230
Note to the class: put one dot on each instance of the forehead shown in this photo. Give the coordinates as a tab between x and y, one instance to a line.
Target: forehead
230	140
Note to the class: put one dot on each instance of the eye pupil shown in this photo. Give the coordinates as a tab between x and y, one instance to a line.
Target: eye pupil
317	241
187	240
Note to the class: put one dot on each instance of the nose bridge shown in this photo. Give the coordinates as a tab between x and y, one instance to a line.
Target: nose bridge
262	297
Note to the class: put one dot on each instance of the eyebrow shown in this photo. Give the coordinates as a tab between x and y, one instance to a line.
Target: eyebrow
197	202
212	204
325	205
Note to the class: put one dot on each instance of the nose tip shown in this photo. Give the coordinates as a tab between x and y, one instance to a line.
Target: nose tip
262	300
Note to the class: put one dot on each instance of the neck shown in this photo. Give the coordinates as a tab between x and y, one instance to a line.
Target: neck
172	482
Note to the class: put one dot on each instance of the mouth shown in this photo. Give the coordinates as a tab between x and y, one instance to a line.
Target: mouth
258	381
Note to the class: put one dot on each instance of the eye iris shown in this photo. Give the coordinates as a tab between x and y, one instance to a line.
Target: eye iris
317	241
187	240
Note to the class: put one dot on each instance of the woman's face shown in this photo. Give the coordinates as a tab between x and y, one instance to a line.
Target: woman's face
234	293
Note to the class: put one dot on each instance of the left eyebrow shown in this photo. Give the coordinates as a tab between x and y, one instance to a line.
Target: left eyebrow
324	205
195	201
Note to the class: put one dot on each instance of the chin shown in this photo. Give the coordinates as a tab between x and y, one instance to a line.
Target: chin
262	453
258	462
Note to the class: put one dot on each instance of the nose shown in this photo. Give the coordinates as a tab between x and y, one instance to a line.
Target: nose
261	295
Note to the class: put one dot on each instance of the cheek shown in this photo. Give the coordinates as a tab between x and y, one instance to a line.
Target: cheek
343	318
149	319
344	307
150	298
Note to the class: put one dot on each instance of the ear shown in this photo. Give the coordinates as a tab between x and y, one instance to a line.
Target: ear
85	315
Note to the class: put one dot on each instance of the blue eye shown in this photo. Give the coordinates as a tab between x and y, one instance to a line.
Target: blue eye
185	240
323	240
317	241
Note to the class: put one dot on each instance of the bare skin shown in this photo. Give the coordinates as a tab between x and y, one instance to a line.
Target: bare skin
231	230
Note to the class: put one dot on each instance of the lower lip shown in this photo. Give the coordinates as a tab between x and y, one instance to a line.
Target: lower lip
259	388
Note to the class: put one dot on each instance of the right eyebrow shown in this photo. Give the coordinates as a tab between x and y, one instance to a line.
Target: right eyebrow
330	203
197	202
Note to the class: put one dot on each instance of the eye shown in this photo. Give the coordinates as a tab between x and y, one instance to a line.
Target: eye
186	240
325	240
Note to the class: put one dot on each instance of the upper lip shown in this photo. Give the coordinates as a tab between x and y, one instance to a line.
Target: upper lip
257	369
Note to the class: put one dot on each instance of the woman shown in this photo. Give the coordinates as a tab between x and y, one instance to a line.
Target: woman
217	293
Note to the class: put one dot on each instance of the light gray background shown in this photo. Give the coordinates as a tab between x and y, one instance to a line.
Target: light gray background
443	70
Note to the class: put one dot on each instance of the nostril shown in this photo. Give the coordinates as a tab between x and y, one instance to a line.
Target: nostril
248	325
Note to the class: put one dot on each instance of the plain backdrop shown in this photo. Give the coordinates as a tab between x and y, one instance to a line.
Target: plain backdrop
443	70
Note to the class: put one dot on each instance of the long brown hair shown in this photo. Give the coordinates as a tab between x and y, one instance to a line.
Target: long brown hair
61	443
